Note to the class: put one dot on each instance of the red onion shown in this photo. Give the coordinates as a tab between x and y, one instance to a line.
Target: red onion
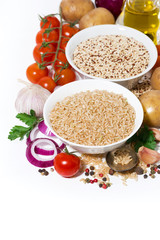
32	135
44	129
35	158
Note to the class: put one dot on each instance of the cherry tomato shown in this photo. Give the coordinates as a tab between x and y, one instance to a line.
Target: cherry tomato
69	31
39	50
49	22
65	76
62	60
47	83
47	37
34	73
67	165
63	43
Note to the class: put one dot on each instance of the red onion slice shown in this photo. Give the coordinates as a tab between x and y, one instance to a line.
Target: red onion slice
35	158
44	152
44	129
32	135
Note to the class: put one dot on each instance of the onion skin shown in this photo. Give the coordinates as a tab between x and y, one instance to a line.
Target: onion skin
151	106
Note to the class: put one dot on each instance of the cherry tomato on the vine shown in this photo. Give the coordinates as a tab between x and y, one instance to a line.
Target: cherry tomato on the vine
47	37
64	76
63	43
34	73
49	21
39	51
61	60
47	83
68	30
67	165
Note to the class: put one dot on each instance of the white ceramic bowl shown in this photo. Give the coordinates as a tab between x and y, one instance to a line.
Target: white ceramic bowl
110	29
79	86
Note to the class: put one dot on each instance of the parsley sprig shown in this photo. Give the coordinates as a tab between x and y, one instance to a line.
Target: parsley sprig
19	131
144	137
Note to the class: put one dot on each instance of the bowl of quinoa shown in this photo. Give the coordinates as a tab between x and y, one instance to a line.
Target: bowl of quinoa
112	52
93	117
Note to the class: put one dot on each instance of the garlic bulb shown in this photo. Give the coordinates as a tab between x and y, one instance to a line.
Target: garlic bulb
33	96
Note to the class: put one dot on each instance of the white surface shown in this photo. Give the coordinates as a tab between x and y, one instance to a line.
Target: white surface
111	29
35	207
91	85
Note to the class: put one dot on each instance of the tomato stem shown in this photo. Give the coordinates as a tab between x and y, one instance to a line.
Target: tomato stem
59	41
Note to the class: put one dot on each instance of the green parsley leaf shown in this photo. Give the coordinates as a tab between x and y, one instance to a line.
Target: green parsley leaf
19	131
144	137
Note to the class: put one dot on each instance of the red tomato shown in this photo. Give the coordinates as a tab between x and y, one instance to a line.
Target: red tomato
62	60
65	76
38	52
49	21
67	165
69	31
34	73
47	37
63	43
47	83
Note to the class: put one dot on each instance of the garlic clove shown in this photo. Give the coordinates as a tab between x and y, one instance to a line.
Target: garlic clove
148	156
156	133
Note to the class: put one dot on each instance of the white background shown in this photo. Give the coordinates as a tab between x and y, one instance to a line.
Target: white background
37	207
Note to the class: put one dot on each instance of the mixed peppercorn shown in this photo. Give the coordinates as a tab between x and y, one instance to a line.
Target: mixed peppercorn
101	180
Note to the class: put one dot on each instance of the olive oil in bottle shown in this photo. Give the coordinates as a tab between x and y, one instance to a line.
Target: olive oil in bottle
143	16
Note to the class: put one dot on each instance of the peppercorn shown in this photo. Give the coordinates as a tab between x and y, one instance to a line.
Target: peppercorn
153	176
153	171
92	167
95	180
139	170
52	169
91	181
148	165
145	176
46	173
41	170
104	186
87	180
152	168
100	185
158	171
111	171
87	170
158	166
104	179
101	174
87	173
92	173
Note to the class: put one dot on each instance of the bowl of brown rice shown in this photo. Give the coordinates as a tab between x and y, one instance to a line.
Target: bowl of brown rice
93	116
116	53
